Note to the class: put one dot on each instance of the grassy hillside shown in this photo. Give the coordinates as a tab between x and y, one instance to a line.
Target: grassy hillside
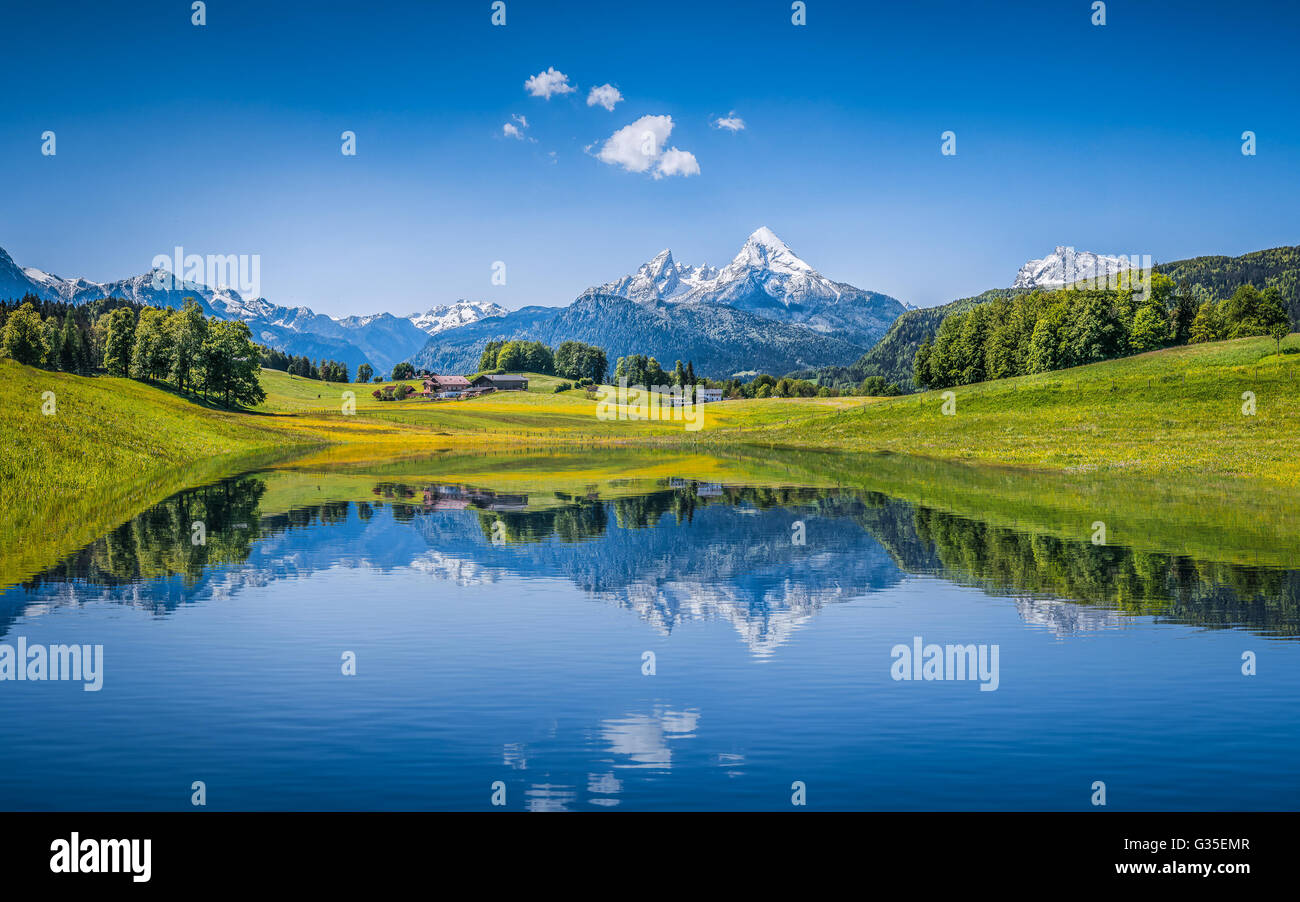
538	413
115	446
111	445
286	393
1171	412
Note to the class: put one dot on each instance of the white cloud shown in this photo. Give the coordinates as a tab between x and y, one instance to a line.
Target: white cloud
731	122
677	162
516	129
637	147
545	84
640	147
605	95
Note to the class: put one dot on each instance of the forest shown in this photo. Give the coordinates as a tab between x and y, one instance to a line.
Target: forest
575	360
1052	330
196	354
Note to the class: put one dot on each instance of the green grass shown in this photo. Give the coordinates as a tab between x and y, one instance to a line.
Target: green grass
111	447
537	414
1176	412
1133	426
295	394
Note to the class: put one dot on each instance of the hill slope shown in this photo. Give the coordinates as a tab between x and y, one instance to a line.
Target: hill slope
117	441
1176	411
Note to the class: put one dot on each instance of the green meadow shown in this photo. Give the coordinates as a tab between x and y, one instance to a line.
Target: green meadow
1159	438
1223	411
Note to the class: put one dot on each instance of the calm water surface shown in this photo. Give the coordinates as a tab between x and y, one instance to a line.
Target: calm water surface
503	637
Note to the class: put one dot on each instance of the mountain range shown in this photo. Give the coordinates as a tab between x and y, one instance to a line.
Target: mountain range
380	339
765	311
766	279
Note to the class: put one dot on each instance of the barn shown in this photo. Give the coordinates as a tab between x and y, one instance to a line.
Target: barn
506	382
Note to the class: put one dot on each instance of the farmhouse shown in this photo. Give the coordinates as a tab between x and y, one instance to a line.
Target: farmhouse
679	397
436	386
502	383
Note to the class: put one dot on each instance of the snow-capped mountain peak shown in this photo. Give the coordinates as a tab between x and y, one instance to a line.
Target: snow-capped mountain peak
764	250
1065	266
764	260
450	316
660	279
41	277
766	277
661	261
235	306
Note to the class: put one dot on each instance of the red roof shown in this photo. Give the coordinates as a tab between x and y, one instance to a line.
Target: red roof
447	383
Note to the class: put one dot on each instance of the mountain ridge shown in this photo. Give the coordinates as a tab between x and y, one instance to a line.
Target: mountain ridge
719	340
1066	266
766	278
380	339
765	311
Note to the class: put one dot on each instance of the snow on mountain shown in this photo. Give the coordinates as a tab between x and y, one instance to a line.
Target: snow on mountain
764	261
155	287
764	251
382	339
452	316
661	279
1065	266
234	306
769	279
45	279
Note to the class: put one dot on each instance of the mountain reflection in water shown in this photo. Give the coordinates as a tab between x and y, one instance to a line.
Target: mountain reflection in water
766	560
575	641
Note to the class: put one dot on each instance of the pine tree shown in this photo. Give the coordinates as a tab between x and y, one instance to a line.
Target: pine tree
70	353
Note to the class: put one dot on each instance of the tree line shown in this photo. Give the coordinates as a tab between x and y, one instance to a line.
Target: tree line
213	357
324	371
765	386
639	369
571	360
1051	330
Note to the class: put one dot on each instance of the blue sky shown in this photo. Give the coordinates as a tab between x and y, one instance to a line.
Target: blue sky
225	139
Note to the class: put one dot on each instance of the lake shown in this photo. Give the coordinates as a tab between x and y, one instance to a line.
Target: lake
662	633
